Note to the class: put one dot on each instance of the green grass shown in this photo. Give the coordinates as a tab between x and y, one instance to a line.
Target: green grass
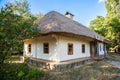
115	57
94	71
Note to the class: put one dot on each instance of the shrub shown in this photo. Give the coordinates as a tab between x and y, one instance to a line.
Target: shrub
19	72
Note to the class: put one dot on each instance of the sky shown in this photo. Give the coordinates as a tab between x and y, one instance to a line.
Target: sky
83	10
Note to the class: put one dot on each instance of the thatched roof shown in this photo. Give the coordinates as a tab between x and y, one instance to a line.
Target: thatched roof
56	22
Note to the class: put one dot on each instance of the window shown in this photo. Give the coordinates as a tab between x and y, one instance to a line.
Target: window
70	49
46	48
83	48
29	48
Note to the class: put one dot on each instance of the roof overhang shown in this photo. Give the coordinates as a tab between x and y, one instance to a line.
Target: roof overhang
82	37
107	41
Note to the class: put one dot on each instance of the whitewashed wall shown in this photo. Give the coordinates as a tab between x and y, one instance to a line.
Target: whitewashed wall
101	51
26	43
58	48
52	48
77	48
37	48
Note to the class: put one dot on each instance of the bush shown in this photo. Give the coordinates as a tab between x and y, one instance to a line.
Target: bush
19	72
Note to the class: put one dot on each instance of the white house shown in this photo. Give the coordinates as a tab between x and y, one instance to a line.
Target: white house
63	40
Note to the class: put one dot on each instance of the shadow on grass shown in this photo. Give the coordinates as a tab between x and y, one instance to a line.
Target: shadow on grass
96	71
115	57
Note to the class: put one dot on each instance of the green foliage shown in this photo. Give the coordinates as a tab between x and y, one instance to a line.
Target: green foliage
39	16
16	24
19	72
97	70
98	25
109	26
21	7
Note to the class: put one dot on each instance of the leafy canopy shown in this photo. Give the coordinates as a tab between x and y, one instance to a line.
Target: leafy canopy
16	24
109	26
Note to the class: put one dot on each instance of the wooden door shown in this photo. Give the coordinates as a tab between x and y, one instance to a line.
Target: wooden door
93	49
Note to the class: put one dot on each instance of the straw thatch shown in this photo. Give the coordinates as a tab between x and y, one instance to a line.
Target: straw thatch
56	22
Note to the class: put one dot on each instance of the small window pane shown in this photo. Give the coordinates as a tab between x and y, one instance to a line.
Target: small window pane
83	48
29	48
70	49
46	47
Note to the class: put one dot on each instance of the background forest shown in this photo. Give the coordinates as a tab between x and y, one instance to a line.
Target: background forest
109	26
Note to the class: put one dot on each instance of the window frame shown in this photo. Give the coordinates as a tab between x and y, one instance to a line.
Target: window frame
83	48
46	48
70	47
29	48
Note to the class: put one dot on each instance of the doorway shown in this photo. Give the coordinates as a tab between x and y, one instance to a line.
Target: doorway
93	49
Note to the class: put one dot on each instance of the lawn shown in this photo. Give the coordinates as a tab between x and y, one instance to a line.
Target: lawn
95	71
115	57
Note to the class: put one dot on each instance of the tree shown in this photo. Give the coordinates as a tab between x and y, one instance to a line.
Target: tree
109	26
21	7
39	16
98	25
14	28
114	23
113	18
